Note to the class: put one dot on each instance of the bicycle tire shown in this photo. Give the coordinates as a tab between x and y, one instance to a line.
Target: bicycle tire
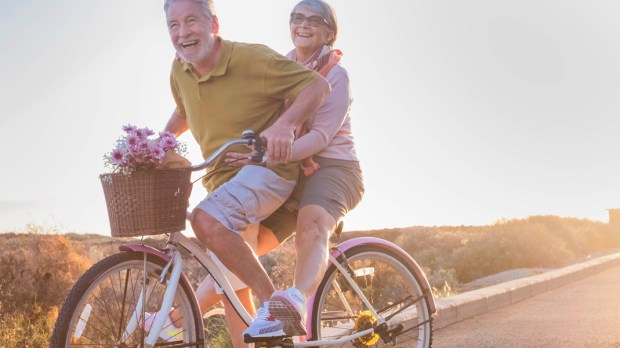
112	288
394	291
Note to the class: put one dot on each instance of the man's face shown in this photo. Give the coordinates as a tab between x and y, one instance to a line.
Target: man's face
193	34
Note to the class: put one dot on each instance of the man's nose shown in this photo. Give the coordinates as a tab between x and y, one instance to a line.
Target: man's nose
184	30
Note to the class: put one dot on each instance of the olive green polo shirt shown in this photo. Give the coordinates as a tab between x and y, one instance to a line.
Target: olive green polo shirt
246	90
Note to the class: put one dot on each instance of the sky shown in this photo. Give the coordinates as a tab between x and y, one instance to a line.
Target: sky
464	112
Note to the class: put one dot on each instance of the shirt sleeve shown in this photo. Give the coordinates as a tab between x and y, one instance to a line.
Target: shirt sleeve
328	119
285	79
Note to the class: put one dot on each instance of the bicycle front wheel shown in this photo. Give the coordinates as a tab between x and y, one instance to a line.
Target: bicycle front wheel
392	289
216	331
106	306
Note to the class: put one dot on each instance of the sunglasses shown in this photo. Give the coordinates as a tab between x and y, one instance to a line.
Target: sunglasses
313	21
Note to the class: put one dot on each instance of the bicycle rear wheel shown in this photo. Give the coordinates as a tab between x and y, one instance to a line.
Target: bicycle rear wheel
103	308
391	288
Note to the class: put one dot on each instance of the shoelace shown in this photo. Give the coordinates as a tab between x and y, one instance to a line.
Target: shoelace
262	313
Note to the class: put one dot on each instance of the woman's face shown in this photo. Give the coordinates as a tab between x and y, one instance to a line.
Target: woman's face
309	30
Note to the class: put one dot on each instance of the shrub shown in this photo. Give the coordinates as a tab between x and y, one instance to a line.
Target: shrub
36	272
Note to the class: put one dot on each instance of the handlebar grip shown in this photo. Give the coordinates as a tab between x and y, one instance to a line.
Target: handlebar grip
258	145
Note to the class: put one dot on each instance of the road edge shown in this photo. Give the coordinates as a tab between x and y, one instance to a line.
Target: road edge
453	309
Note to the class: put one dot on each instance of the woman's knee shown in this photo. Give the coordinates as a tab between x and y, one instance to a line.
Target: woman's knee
314	223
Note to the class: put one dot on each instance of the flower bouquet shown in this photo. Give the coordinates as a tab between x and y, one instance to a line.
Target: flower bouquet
148	189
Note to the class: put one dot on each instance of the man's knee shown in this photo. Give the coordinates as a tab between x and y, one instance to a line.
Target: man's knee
204	226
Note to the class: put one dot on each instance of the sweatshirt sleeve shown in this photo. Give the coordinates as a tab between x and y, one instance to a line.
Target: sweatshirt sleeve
328	119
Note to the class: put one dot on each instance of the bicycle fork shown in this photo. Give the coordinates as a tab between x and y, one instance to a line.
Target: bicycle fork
171	287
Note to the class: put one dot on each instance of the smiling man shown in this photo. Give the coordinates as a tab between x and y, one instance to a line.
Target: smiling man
222	88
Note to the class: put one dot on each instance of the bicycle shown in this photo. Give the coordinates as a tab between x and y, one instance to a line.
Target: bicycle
372	294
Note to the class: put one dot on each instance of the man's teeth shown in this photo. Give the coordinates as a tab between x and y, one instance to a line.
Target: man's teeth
189	43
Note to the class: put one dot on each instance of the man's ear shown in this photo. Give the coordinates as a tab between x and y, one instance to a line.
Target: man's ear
215	24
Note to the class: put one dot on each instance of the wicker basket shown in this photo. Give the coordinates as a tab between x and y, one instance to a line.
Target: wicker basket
147	203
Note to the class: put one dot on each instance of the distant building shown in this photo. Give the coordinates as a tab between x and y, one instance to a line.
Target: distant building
614	216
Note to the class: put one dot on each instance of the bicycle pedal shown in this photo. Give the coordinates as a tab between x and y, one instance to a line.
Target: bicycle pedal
263	340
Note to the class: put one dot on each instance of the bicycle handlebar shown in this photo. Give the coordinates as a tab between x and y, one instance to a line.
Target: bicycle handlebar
247	138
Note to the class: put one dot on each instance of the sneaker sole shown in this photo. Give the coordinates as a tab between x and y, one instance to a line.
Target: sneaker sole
247	338
285	311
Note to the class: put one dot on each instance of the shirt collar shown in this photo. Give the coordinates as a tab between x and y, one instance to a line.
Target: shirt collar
222	63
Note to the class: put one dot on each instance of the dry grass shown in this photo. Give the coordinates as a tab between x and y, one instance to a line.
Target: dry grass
38	267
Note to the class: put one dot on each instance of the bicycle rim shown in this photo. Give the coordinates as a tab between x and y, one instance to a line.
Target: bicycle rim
391	288
101	307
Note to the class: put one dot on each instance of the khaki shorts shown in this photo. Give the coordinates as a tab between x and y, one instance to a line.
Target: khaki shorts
248	198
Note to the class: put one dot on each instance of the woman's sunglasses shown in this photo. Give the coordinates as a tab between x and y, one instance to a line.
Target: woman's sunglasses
313	21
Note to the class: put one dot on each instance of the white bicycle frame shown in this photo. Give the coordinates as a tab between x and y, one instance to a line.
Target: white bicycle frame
202	256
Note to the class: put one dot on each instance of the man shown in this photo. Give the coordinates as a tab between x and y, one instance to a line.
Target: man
222	88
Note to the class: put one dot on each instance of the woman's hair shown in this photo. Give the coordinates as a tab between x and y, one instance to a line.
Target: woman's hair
326	11
207	7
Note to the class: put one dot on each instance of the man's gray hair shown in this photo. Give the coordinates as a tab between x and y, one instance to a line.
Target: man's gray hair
208	9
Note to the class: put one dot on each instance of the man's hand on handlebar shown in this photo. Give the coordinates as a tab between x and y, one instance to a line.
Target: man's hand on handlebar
279	139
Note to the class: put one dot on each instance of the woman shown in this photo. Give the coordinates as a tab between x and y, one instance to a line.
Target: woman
330	186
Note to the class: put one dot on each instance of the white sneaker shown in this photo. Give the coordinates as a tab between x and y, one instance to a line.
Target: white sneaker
289	306
169	332
263	326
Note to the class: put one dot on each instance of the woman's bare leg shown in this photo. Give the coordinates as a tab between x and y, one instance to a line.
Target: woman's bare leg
314	225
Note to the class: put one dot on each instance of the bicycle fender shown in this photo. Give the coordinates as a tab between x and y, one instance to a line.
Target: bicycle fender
417	270
141	248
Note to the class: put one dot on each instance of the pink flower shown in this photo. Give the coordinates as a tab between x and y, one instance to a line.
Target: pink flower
166	134
118	156
144	145
168	143
157	154
132	140
129	128
143	133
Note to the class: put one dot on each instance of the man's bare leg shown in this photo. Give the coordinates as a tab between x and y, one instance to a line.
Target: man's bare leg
233	320
234	253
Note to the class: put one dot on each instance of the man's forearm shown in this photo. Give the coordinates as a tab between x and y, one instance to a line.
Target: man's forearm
176	125
280	135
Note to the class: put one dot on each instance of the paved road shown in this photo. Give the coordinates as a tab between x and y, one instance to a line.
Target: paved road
585	313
